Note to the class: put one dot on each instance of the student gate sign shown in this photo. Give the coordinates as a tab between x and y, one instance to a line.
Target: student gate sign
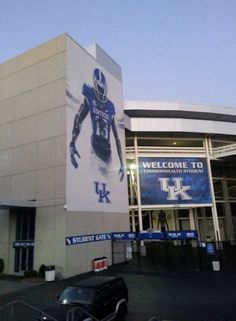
174	181
132	236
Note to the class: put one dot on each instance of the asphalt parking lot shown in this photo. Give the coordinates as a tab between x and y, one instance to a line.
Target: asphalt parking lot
168	294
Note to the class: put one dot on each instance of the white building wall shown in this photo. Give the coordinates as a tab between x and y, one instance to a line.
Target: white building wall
180	125
79	257
32	146
5	236
177	106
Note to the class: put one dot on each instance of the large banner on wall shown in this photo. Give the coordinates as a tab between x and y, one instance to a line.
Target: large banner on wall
96	178
174	181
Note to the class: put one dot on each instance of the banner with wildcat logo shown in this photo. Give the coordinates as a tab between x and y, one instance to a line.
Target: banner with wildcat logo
174	181
96	177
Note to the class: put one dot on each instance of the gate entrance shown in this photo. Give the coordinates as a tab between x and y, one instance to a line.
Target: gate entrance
171	249
165	249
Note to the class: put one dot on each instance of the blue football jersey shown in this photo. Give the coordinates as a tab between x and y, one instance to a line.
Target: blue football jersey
102	114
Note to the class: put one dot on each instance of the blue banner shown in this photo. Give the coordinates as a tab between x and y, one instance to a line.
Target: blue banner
181	235
151	236
174	181
123	236
169	235
118	236
80	239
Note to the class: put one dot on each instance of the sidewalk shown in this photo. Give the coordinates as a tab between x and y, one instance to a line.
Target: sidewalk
168	294
9	284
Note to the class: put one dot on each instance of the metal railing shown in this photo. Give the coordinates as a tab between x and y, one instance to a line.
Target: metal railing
21	311
223	151
72	315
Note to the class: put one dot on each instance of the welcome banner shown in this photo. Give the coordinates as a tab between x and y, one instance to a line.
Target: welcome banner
173	181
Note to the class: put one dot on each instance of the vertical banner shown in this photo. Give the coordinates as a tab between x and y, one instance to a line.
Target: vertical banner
173	181
96	178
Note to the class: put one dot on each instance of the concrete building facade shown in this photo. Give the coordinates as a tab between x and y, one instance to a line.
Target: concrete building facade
36	225
180	130
33	155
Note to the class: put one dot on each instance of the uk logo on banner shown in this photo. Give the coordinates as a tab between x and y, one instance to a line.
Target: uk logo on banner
176	190
102	192
174	181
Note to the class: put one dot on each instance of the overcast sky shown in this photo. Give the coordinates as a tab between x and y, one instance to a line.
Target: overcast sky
172	50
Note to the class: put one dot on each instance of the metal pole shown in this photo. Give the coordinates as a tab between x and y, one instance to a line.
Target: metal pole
142	249
191	218
112	252
138	185
150	219
131	186
213	208
228	212
133	221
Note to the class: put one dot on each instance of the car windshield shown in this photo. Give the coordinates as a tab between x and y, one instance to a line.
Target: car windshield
76	295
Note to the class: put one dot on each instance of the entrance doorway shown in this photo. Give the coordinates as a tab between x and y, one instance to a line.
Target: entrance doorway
25	232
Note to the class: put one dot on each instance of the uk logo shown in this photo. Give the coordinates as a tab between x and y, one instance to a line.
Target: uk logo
102	192
176	190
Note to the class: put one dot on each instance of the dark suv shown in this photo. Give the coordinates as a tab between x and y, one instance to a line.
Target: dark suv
99	296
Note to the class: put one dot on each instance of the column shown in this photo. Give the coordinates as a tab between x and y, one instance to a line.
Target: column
140	219
191	218
138	186
228	215
213	208
133	220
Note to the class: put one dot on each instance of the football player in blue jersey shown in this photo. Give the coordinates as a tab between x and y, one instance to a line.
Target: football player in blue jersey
102	114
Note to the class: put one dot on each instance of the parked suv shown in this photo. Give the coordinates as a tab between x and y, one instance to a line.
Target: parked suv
98	296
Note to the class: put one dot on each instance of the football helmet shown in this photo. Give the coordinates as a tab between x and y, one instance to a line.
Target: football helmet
100	85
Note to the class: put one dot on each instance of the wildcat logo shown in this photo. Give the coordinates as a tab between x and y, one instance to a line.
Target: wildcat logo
100	190
175	191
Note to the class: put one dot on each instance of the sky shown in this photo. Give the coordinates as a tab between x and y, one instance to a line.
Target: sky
169	50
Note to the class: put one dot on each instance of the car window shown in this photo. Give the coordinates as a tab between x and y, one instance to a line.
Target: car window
77	295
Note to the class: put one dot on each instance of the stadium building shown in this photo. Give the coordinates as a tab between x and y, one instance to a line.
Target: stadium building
80	168
182	139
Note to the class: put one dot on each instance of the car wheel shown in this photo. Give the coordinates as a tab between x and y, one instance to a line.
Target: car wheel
122	311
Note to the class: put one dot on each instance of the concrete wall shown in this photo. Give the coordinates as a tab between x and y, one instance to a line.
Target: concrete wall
4	237
33	161
79	258
32	144
32	116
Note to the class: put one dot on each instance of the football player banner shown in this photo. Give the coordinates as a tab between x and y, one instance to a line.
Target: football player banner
174	181
96	179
